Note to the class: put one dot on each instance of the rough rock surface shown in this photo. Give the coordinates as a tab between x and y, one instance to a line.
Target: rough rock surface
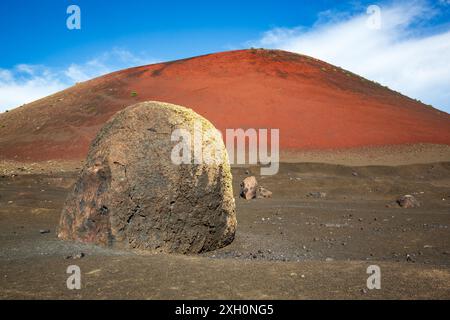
130	194
408	201
249	188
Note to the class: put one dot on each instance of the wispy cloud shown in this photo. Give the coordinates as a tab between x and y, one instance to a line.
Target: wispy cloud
401	54
26	83
105	63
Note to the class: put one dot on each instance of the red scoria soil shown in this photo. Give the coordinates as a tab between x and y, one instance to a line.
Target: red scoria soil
315	105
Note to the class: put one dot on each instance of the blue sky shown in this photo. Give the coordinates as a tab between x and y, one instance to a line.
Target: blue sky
36	30
39	55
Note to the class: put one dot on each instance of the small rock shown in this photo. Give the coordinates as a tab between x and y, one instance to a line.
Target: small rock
329	259
408	201
248	188
264	193
317	195
76	256
43	231
355	174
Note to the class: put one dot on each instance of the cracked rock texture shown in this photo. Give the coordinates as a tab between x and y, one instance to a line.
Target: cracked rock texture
130	194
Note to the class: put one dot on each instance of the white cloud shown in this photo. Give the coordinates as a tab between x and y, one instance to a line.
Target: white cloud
401	54
107	62
26	83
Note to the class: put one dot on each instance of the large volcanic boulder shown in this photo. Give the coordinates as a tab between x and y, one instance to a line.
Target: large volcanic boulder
130	193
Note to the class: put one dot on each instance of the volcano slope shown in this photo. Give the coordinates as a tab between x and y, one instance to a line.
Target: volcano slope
316	106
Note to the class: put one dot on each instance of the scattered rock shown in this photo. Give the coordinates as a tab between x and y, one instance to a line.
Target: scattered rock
131	194
249	188
317	195
264	193
336	225
76	256
408	201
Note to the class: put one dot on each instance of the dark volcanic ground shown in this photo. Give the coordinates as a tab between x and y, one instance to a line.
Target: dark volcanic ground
290	247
